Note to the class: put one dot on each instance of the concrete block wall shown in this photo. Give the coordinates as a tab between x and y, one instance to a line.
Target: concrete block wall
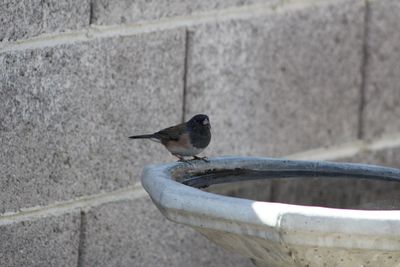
276	77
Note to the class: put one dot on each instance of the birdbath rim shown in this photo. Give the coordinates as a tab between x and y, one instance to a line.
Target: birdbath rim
288	223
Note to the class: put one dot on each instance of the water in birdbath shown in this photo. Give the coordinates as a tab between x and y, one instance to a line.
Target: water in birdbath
317	191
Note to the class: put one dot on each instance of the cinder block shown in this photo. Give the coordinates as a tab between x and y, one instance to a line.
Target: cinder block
67	112
281	83
48	241
107	12
27	18
382	95
134	233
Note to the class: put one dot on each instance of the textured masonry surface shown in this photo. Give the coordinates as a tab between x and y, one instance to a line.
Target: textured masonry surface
382	92
68	110
48	241
126	11
293	65
134	233
22	19
78	77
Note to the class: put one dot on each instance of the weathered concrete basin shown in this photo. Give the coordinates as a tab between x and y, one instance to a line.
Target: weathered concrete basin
279	234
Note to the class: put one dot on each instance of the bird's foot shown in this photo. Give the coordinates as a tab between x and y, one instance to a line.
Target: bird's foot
182	159
185	161
200	158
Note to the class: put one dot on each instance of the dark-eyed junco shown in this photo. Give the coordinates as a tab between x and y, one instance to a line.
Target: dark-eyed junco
184	140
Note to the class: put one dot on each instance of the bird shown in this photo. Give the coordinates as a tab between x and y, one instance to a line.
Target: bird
187	139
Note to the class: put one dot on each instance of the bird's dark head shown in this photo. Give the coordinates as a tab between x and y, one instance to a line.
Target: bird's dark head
200	120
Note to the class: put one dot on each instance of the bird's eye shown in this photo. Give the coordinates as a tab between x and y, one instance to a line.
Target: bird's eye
206	122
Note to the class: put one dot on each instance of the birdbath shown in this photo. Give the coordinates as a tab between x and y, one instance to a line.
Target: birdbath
285	213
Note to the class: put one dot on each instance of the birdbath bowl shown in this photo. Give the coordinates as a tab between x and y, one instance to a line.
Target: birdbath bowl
285	213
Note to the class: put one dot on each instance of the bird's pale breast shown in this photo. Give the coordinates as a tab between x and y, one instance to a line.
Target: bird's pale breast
183	146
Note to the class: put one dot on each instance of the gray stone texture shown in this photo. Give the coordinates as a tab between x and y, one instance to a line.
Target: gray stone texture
29	18
134	233
382	91
106	12
47	241
67	112
280	83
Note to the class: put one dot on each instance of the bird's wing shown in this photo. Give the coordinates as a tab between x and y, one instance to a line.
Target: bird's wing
172	133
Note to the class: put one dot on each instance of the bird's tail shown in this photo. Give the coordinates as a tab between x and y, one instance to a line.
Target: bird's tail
143	136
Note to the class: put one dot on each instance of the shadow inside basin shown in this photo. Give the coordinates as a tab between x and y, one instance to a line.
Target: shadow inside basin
359	190
364	194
